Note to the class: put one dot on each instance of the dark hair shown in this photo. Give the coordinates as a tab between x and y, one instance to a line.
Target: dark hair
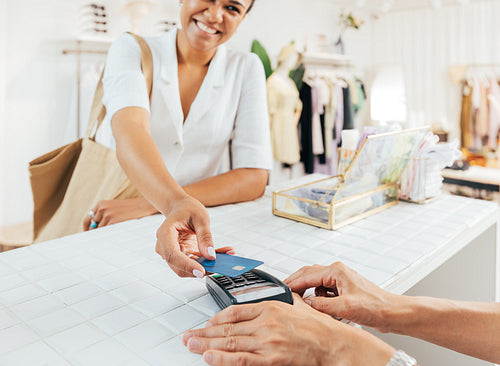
251	6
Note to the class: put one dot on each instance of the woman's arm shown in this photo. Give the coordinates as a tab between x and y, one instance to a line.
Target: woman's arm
186	229
238	185
141	160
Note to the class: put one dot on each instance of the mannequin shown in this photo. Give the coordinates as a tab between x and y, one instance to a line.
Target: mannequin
285	108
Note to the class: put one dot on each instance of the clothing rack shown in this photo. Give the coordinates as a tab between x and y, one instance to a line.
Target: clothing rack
458	73
78	51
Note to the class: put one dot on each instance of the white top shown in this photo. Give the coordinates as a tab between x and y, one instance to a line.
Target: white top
231	104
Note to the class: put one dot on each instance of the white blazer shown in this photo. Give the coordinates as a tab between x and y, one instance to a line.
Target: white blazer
231	104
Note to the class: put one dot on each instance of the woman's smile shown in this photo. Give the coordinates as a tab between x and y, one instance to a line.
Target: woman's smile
205	27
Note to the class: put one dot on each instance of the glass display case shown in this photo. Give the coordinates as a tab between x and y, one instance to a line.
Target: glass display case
369	185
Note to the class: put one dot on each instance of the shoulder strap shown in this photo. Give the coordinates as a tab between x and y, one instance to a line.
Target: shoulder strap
98	110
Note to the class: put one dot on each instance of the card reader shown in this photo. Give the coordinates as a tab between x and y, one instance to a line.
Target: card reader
251	287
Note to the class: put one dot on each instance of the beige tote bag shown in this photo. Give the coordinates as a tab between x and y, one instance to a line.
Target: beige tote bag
69	181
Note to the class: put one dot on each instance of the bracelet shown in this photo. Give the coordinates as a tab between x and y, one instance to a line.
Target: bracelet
400	358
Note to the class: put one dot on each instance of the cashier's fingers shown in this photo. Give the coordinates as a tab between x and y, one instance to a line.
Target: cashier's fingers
229	344
221	358
326	292
335	306
242	329
236	314
309	277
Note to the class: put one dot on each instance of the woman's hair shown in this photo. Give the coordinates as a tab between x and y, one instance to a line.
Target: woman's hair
250	7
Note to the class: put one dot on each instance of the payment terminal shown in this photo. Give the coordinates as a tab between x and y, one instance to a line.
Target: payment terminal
251	287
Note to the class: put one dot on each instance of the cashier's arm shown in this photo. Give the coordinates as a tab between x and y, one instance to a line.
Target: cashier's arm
471	328
468	327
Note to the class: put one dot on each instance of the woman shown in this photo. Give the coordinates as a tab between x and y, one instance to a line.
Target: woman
203	96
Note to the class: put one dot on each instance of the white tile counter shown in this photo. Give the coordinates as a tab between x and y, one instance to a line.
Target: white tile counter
106	298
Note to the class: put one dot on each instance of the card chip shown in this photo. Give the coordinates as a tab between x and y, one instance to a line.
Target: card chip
238	268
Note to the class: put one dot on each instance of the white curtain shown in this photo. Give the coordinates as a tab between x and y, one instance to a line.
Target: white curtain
3	172
427	42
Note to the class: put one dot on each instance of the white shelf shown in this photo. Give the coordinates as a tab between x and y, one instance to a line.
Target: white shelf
325	59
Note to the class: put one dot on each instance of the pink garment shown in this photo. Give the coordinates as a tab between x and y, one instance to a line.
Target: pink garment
317	109
330	167
476	103
494	123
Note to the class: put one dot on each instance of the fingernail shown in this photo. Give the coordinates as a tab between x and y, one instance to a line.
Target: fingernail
187	336
208	357
308	302
211	251
208	325
198	274
231	252
194	344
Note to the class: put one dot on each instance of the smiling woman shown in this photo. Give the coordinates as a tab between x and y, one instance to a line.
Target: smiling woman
203	96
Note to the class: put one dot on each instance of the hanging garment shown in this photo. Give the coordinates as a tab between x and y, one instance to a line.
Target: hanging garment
482	117
317	110
297	75
494	122
330	111
348	110
322	157
466	118
476	104
339	117
354	93
360	90
305	122
284	113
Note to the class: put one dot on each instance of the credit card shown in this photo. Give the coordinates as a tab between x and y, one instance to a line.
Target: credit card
229	265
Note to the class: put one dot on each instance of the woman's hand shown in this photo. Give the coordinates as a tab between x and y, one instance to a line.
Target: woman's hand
342	292
114	211
185	235
276	333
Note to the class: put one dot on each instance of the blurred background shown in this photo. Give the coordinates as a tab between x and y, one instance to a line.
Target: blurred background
414	58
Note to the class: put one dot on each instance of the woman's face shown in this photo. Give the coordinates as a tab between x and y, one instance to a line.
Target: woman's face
209	23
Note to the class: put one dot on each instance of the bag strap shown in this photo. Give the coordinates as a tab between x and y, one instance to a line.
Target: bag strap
98	110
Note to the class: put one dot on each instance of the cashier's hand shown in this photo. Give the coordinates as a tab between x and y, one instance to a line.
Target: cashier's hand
184	236
275	333
342	292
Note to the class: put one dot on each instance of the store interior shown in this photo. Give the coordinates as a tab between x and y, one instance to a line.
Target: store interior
423	52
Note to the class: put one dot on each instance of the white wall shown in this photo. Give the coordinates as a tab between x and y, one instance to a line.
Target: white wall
3	48
275	23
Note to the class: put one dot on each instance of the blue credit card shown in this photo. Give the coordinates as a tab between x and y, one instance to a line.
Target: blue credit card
229	265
